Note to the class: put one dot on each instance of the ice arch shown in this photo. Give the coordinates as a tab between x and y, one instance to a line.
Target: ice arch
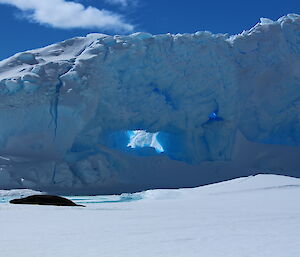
136	142
141	138
224	106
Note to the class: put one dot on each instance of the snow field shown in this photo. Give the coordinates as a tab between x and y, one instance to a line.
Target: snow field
256	216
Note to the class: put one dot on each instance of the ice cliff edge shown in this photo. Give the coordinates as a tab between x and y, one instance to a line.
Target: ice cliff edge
221	107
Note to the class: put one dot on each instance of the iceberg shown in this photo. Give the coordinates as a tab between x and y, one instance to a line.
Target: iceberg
204	108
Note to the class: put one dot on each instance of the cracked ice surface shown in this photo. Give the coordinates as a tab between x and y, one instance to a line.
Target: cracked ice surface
65	109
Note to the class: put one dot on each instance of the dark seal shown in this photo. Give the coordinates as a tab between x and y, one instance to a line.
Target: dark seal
45	200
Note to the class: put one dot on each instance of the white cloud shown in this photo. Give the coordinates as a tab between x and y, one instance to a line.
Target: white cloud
123	3
66	15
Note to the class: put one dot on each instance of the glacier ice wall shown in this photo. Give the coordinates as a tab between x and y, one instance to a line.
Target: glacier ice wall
220	106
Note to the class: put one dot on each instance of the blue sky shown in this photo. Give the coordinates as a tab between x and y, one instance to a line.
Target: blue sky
28	24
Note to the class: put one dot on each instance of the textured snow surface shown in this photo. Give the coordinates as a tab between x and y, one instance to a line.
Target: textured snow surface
219	106
247	217
6	195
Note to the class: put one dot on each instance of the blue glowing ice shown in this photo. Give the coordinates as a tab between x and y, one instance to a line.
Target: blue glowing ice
141	138
212	116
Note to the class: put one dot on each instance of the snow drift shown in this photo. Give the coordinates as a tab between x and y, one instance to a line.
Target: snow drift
217	107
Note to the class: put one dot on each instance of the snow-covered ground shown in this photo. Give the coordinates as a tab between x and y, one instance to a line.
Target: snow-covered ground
256	216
